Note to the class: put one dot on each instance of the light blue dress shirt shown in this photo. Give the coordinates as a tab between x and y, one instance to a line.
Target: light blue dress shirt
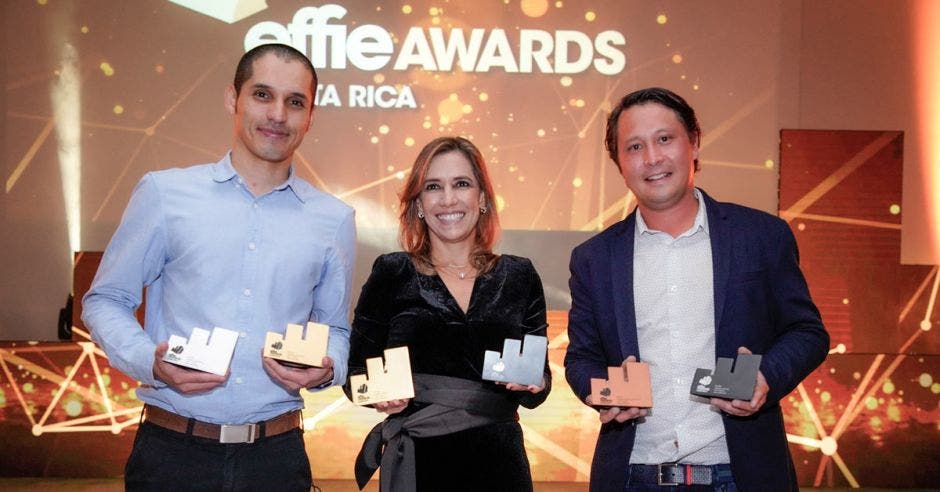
212	254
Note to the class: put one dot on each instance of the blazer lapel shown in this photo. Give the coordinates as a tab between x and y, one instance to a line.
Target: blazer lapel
621	273
721	255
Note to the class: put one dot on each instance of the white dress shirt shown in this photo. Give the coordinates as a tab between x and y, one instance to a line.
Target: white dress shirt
675	317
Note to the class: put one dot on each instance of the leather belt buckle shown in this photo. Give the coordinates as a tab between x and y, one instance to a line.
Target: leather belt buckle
237	434
673	469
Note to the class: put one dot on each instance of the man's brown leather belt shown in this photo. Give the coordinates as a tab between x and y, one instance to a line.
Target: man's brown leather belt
227	434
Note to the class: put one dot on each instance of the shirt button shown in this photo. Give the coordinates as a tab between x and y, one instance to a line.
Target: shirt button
256	205
242	334
673	288
239	380
251	246
247	292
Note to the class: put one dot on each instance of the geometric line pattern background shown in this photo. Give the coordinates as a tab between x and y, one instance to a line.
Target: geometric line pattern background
834	426
841	193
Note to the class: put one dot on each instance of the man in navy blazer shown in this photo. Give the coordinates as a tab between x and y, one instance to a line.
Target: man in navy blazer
682	280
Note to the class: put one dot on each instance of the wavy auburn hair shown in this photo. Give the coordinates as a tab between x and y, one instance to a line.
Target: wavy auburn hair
413	231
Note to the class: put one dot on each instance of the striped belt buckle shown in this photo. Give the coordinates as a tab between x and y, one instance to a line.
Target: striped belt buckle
679	474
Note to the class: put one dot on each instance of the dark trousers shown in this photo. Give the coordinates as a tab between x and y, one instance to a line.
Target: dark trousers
488	458
166	460
721	487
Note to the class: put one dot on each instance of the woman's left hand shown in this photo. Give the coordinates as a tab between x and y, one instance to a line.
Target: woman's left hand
391	407
531	388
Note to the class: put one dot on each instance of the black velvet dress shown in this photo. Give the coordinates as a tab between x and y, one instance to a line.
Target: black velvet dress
401	307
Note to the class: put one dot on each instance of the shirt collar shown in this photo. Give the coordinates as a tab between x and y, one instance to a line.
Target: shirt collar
224	171
700	223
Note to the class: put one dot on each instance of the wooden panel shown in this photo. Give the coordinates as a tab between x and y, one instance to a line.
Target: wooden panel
841	192
86	265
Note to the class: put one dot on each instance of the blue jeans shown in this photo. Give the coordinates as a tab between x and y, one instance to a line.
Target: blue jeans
166	460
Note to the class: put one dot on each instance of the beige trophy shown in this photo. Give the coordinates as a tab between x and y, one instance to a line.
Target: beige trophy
296	349
391	382
626	386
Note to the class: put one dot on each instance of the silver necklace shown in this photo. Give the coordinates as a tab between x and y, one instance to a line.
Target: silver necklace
454	270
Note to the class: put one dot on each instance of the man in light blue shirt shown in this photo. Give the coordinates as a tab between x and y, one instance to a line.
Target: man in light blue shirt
243	244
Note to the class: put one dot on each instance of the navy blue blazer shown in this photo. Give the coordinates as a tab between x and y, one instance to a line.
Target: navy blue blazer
761	302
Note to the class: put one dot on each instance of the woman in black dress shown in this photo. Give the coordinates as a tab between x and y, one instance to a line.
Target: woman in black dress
449	298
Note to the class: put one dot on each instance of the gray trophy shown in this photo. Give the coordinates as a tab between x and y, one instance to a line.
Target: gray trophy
523	366
732	383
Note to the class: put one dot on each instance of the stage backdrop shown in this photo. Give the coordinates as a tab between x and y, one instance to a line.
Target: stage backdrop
99	93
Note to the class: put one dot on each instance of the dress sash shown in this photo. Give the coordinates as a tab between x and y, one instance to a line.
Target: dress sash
453	405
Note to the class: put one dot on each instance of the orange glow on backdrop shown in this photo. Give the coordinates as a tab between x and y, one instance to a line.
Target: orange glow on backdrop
927	77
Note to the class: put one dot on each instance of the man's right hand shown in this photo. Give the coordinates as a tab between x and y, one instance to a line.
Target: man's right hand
619	414
184	380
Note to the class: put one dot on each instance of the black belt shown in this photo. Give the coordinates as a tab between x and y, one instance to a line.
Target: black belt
678	474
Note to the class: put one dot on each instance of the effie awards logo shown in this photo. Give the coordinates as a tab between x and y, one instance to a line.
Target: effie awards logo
318	33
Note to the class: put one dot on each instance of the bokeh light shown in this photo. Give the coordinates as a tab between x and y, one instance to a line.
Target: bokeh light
450	109
925	380
888	387
534	8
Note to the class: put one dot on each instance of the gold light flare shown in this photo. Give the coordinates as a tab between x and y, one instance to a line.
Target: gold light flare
927	79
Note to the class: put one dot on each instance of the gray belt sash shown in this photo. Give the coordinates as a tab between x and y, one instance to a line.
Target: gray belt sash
454	405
